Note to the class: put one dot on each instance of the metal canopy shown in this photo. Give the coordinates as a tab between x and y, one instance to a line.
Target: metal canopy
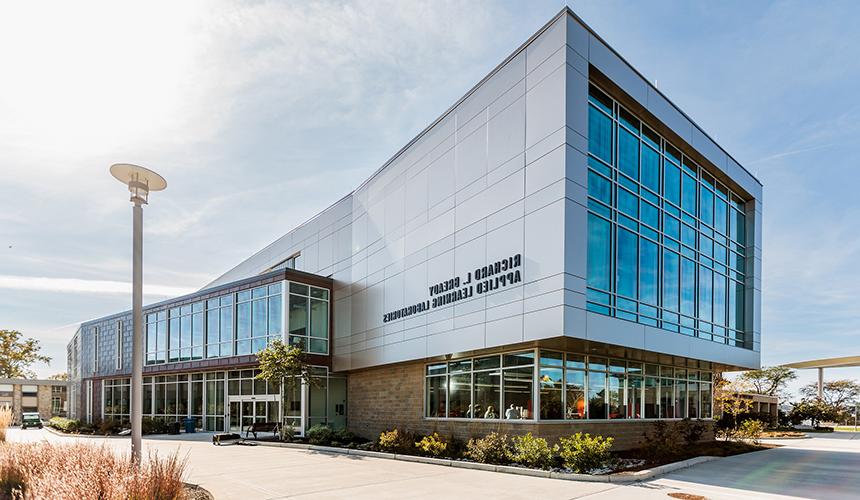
843	362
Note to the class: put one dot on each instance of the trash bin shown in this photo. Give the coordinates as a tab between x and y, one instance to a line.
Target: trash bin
173	428
189	423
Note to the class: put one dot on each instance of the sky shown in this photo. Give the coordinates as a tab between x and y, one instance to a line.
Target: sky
261	114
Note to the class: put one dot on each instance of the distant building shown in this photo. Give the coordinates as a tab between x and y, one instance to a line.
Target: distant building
561	248
763	405
48	397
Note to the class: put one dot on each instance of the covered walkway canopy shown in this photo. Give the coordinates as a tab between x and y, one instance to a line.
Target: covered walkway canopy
821	364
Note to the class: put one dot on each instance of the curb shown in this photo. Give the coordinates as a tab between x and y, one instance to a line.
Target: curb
618	477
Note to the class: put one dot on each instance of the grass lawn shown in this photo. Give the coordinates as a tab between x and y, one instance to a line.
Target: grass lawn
847	428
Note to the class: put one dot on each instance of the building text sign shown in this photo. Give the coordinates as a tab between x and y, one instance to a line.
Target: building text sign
482	280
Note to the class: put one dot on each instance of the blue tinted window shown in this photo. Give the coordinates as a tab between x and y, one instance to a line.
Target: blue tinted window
599	99
671	278
706	246
688	236
720	208
651	169
599	135
599	166
706	206
705	293
688	194
650	214
600	188
672	226
719	299
672	184
738	227
628	154
628	203
736	305
666	241
688	287
599	252
648	268
625	279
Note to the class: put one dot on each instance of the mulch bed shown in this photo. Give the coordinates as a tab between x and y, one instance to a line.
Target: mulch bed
195	492
707	448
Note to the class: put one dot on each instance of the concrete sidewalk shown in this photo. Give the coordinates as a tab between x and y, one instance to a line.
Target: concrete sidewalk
823	467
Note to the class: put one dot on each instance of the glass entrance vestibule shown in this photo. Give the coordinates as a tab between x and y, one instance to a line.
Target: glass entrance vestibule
233	400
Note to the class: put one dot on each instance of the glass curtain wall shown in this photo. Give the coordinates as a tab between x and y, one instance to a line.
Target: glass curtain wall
309	318
666	240
232	324
570	386
117	393
500	386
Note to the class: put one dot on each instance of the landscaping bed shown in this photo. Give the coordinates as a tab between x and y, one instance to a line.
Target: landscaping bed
579	456
718	448
105	427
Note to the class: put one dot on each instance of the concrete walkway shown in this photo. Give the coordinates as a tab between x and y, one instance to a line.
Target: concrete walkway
824	467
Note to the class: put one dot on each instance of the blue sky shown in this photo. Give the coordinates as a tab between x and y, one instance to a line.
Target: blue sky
260	114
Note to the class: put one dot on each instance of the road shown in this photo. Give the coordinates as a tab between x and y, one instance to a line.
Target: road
823	467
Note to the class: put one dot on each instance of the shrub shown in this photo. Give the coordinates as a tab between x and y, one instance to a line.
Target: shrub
45	470
583	453
320	434
691	430
396	441
153	426
751	430
532	451
347	438
108	427
65	424
490	449
5	421
432	446
664	442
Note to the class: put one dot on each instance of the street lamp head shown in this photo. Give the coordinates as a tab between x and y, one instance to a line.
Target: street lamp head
140	180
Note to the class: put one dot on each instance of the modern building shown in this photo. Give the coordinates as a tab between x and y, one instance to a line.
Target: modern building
47	397
563	249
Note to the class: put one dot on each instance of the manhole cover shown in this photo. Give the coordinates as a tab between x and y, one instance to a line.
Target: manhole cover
687	496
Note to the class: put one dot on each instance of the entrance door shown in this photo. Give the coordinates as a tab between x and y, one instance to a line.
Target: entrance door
245	410
235	416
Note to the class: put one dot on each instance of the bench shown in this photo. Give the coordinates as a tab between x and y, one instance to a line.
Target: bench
256	427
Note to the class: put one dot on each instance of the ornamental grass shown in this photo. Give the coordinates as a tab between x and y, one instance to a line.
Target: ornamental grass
85	472
5	421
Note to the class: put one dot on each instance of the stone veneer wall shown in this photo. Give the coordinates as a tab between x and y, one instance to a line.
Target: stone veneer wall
392	396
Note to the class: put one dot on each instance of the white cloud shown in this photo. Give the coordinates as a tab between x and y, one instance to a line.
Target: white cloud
71	285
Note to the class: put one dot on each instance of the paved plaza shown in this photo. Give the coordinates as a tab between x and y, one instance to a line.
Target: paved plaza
823	467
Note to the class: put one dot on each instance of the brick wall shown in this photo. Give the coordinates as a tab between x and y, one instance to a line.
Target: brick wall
44	396
392	396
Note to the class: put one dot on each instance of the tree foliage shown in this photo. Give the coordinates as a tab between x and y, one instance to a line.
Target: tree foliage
771	380
17	355
840	394
813	410
59	376
727	396
280	362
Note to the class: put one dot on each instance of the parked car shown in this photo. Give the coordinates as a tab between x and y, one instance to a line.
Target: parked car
31	420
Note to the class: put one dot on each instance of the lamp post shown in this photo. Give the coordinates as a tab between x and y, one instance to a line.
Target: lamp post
140	182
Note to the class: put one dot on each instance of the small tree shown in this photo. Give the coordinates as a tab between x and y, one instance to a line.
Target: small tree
730	403
838	394
814	410
284	366
18	354
59	376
